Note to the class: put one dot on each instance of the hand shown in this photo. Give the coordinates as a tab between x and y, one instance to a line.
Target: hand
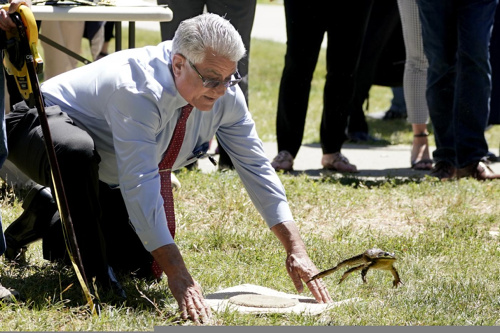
184	288
14	4
300	268
298	265
6	22
190	298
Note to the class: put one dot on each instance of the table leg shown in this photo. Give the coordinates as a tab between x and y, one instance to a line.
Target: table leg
131	35
118	36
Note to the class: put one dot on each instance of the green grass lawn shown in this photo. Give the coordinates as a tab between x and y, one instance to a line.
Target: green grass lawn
445	236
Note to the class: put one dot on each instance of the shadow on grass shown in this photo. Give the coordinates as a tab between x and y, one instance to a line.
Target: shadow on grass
386	128
365	178
56	285
374	180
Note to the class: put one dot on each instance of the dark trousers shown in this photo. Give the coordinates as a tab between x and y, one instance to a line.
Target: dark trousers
103	232
306	23
494	118
381	61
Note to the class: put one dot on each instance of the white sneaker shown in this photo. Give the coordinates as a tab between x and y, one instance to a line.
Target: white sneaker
176	184
8	295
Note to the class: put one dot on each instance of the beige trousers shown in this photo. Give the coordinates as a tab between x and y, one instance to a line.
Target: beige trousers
69	34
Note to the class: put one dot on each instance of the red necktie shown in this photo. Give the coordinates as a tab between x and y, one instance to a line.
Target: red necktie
165	168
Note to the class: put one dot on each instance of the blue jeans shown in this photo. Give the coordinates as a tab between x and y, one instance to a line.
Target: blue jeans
398	102
3	145
456	36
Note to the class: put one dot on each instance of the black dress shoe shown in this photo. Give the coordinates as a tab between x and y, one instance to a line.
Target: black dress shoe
357	137
225	162
491	157
394	114
39	209
109	283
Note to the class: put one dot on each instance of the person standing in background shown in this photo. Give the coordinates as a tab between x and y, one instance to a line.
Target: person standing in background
381	63
494	118
456	37
69	34
397	110
306	24
414	84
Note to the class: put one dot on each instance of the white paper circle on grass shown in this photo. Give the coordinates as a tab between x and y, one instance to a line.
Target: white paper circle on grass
263	301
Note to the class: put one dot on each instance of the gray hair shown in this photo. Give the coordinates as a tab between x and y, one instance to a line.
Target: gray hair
208	32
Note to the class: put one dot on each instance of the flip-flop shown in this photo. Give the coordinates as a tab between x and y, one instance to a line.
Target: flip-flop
339	163
283	161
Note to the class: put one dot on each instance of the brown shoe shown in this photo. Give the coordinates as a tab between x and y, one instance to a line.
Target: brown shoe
443	170
477	170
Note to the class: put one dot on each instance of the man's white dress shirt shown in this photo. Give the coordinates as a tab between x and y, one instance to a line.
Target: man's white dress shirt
129	104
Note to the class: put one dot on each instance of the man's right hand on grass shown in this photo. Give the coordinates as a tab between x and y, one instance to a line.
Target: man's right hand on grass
184	288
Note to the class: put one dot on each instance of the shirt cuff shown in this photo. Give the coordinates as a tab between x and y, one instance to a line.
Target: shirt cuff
155	237
277	213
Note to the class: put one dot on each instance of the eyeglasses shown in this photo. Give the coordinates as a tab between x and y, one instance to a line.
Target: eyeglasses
208	83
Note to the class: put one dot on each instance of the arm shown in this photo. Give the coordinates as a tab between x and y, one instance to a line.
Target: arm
186	291
298	265
240	140
137	159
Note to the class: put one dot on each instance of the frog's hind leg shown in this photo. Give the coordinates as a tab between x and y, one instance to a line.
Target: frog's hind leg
365	271
349	271
397	281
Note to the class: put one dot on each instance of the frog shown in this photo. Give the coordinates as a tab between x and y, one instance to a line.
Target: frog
370	259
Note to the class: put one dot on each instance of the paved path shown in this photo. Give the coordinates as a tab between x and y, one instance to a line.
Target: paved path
269	23
372	161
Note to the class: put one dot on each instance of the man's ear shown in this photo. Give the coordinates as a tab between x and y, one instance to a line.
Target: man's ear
177	64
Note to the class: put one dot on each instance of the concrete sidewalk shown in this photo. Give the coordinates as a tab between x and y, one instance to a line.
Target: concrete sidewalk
269	23
372	161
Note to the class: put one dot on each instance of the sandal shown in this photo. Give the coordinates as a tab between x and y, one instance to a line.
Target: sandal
338	162
283	161
425	164
420	163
